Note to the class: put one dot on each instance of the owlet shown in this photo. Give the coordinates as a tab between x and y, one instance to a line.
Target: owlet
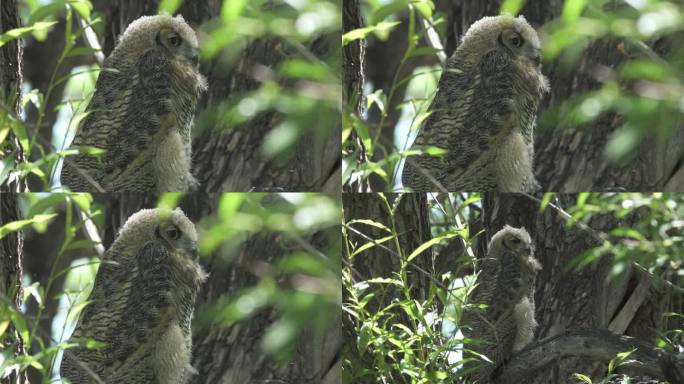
505	284
141	305
484	113
142	112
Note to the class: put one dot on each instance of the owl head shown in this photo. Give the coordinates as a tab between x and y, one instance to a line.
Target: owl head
512	35
169	227
172	35
511	240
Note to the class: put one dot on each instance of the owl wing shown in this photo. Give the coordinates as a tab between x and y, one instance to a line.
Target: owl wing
127	164
130	306
469	111
110	94
144	315
476	323
102	313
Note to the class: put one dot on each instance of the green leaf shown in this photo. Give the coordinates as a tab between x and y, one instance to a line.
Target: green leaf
572	9
82	200
627	232
80	244
390	8
280	138
369	222
17	33
232	9
20	224
19	131
622	144
512	7
423	51
82	51
370	244
20	324
546	200
583	378
381	28
170	6
82	7
169	200
52	9
425	8
229	205
431	242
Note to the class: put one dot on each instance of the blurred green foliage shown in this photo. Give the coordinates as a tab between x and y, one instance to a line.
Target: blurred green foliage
303	284
642	94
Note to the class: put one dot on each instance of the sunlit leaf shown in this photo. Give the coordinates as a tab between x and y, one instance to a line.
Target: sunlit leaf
169	6
511	7
17	33
20	224
169	200
361	33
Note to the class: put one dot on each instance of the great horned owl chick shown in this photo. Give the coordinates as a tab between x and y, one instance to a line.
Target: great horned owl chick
142	112
141	305
484	112
505	284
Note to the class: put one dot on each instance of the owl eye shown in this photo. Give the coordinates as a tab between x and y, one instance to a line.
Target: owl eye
173	233
516	41
515	240
174	40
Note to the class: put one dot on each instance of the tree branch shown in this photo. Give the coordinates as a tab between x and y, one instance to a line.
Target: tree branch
596	344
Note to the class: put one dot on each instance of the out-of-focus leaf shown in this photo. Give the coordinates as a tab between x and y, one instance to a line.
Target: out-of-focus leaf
20	224
572	9
82	7
169	200
511	7
232	9
169	6
622	143
20	32
361	33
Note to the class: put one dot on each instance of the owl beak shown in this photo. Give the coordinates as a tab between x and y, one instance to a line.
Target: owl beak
194	56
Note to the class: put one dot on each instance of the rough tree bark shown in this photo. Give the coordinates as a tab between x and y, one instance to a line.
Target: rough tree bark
10	90
353	76
230	354
11	245
568	299
11	279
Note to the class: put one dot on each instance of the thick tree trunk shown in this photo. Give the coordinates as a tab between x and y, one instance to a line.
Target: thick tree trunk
11	278
10	88
11	245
